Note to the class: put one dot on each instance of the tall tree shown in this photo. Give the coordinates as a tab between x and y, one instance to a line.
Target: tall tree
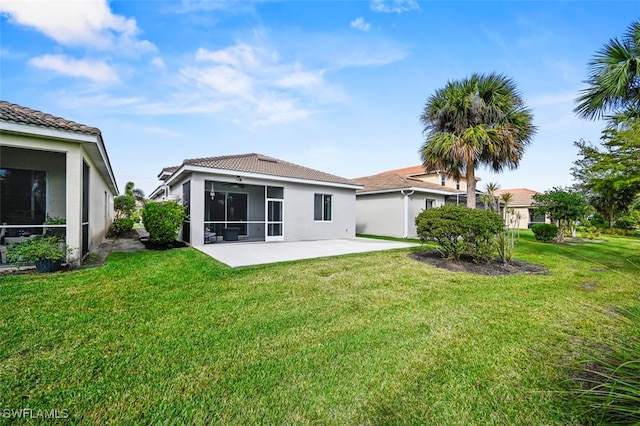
477	120
562	205
610	176
614	80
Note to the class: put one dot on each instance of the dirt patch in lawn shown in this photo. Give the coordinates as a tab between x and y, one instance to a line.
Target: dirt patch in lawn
466	264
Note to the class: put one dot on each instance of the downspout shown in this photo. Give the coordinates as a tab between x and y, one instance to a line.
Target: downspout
406	212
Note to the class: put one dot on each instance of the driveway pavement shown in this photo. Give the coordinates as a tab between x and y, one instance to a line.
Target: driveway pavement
246	254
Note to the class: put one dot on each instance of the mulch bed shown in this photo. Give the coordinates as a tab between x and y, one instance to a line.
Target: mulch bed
466	264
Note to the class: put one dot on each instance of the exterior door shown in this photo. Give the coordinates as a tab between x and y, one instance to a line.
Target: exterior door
275	222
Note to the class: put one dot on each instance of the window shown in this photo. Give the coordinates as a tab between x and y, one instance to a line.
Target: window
429	204
322	207
443	179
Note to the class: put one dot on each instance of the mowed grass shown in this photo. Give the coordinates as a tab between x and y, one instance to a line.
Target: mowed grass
175	337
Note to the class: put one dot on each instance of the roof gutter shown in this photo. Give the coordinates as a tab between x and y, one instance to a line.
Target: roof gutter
406	196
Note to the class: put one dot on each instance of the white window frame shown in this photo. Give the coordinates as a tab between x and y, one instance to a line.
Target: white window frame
323	204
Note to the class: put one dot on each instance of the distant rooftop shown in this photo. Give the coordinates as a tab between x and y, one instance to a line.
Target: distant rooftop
390	181
521	196
22	115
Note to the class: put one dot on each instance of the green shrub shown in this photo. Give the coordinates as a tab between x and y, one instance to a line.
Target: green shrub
163	220
124	205
459	230
616	231
36	249
545	231
590	232
120	227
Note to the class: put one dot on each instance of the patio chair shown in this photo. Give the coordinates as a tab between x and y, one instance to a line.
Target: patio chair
210	237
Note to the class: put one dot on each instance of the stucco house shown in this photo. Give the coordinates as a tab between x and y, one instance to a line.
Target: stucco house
253	197
523	215
389	202
50	166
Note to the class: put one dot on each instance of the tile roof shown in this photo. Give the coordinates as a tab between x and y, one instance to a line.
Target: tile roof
412	170
22	115
418	170
521	196
390	181
264	165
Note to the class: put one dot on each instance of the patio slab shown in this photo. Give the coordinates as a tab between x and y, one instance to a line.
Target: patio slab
246	254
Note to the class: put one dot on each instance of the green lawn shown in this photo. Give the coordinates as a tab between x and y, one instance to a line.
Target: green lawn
175	337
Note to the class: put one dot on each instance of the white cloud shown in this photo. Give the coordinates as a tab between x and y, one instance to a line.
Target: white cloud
158	62
360	24
240	55
77	23
92	70
252	80
394	6
301	79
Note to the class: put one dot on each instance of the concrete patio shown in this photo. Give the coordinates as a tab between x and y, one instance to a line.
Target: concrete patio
246	254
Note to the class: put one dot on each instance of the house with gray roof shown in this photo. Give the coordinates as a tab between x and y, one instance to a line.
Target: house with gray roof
253	197
56	168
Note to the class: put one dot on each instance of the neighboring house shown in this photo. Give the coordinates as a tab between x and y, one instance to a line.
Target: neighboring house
522	215
258	198
53	167
390	201
437	177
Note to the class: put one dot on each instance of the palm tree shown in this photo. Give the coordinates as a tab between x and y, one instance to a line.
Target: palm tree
137	193
489	197
478	120
614	80
506	198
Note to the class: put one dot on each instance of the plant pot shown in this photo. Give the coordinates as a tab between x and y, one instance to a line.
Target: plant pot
48	265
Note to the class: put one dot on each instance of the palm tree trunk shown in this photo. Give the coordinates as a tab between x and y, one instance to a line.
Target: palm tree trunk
471	185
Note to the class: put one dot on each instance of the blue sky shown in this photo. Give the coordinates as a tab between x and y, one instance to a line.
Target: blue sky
336	86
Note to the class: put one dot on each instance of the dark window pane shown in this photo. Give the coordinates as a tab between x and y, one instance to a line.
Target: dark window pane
327	207
23	196
275	192
317	207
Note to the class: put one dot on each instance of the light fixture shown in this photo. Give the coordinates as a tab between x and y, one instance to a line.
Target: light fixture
238	178
212	193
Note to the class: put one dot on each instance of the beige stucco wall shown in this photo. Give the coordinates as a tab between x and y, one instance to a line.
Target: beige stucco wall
450	183
65	189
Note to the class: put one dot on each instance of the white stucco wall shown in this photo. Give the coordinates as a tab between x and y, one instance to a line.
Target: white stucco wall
380	214
100	205
299	223
384	214
298	208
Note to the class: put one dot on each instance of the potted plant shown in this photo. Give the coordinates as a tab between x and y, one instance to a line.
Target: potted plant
47	253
